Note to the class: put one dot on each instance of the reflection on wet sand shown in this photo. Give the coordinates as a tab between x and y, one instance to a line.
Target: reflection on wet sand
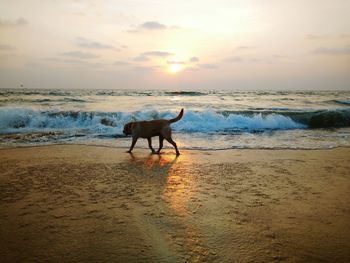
178	193
156	161
226	206
183	238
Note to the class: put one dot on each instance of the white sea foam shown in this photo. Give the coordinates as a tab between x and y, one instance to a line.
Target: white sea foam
212	120
26	120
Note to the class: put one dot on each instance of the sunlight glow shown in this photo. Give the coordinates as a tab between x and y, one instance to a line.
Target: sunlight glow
175	68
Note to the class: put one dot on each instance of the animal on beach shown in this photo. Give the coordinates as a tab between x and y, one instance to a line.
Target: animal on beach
149	129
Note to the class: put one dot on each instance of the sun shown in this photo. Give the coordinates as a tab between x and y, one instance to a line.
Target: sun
175	68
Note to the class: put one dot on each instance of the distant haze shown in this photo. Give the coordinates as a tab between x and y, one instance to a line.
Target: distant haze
182	44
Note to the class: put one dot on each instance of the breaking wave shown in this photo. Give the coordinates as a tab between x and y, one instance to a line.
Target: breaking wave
342	102
27	120
184	93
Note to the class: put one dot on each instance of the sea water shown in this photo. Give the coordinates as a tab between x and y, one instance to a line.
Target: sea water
212	119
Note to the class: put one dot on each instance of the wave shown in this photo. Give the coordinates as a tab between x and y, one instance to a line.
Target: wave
42	100
17	120
210	121
323	118
149	93
309	118
29	92
79	93
124	93
342	102
184	93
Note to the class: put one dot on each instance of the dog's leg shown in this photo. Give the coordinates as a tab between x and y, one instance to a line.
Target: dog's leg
134	140
161	139
150	144
170	140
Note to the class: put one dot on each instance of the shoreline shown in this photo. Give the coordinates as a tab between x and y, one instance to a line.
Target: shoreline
94	203
169	148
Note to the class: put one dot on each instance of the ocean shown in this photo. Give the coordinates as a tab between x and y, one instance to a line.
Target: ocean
212	120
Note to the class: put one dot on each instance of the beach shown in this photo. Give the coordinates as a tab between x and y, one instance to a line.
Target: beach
255	96
77	203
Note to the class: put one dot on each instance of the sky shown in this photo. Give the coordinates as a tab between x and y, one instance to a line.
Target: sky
182	44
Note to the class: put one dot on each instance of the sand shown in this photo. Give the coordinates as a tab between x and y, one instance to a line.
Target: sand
72	203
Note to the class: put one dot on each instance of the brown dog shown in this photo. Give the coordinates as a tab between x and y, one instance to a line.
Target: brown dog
149	129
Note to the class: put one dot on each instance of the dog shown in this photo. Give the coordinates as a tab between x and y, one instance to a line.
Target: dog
149	129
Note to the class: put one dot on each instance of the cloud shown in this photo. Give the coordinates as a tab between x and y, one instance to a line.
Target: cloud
18	22
87	43
152	25
335	51
156	54
68	61
6	47
194	59
142	69
141	58
145	55
279	56
316	37
344	36
79	54
170	62
73	61
320	37
260	60
208	66
245	47
234	59
121	63
7	56
191	69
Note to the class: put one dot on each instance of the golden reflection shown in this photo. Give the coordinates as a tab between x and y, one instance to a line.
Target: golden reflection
179	186
176	173
179	198
155	161
179	194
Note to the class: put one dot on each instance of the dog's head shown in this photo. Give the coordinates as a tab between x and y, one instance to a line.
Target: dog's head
127	129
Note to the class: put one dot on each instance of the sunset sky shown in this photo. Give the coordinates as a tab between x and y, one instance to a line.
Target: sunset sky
182	44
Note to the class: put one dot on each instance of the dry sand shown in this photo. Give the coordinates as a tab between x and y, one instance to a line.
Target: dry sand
97	204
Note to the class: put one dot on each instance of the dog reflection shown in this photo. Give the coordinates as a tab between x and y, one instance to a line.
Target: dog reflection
153	162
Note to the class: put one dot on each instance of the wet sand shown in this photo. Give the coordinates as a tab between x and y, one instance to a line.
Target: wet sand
98	204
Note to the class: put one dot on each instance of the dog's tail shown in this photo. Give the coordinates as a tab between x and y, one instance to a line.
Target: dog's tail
178	117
